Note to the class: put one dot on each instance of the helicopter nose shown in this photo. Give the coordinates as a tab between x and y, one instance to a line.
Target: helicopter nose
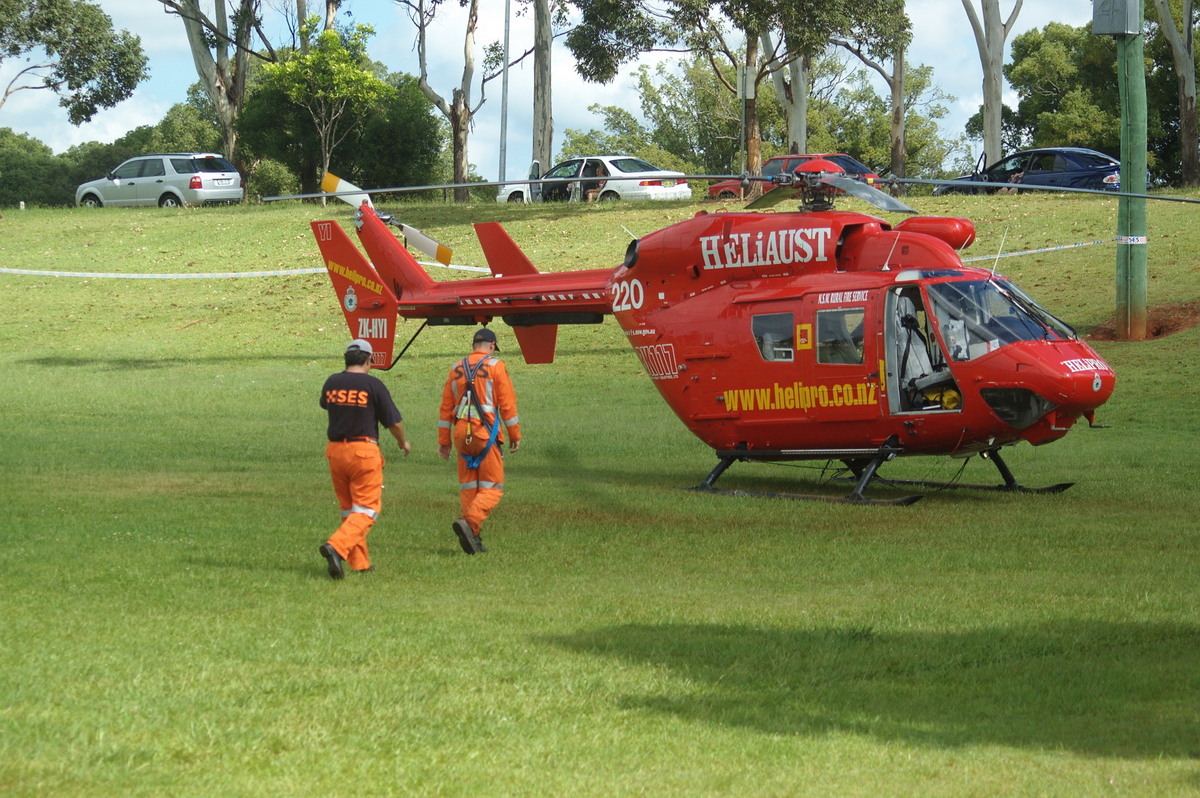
1085	383
1044	406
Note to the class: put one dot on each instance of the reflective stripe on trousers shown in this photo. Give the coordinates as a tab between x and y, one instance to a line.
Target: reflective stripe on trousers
478	484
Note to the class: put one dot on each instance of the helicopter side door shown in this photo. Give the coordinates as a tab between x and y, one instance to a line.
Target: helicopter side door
838	356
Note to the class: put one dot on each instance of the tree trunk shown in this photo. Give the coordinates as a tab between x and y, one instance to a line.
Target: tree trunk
460	123
753	129
543	109
792	93
1184	60
1189	131
458	111
899	160
990	35
798	121
222	77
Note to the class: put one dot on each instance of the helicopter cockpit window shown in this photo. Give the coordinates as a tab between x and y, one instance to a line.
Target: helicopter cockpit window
775	335
980	316
840	336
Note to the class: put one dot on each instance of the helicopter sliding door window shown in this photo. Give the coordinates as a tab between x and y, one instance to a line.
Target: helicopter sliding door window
840	336
774	333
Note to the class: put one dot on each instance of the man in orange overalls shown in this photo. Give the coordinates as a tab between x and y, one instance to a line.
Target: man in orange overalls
475	421
357	403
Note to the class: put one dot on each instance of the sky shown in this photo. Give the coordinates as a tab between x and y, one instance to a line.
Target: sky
942	38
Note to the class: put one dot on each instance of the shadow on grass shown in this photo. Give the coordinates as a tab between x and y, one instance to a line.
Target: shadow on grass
1124	690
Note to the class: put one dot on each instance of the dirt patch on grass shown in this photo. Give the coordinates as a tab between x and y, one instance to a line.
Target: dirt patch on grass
1161	321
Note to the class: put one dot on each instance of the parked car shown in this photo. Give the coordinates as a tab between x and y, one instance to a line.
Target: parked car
1066	167
783	164
601	177
169	180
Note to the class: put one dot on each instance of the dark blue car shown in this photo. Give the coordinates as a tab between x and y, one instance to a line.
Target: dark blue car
1066	167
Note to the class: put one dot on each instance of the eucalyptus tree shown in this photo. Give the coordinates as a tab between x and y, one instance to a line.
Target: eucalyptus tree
222	47
880	33
990	35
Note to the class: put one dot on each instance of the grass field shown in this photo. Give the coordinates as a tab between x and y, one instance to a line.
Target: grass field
169	627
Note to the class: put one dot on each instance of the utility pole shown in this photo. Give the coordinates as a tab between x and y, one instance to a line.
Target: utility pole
504	101
1122	19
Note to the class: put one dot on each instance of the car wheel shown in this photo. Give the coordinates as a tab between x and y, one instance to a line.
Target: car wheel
609	196
169	201
727	195
90	201
516	196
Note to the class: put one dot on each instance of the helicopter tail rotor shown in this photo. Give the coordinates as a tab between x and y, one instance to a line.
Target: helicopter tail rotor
353	195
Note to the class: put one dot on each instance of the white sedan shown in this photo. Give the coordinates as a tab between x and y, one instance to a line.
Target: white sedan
599	177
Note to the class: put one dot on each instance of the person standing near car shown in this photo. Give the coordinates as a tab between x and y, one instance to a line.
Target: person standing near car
357	404
478	407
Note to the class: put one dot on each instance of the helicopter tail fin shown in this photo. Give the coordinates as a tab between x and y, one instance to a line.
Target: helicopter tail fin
506	259
503	255
368	304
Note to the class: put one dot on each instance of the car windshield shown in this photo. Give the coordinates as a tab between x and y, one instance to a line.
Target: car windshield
980	316
629	165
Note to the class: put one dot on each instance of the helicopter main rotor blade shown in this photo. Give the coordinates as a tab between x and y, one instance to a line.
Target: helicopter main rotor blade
872	195
856	188
968	186
775	196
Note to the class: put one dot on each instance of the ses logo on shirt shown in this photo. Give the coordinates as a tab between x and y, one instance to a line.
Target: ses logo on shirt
348	398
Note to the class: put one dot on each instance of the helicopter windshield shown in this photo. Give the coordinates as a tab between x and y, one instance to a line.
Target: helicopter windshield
980	316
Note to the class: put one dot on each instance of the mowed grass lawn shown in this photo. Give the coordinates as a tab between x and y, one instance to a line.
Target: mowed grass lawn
169	627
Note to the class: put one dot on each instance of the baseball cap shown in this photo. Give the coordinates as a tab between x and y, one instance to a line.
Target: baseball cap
361	345
485	335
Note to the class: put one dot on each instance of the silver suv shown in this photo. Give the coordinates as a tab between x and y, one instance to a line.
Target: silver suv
168	180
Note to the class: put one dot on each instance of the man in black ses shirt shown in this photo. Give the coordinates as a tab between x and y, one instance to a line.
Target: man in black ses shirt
357	403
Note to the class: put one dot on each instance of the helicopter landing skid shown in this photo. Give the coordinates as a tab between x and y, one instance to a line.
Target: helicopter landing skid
1010	482
857	496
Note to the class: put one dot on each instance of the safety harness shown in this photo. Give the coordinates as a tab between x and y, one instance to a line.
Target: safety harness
470	403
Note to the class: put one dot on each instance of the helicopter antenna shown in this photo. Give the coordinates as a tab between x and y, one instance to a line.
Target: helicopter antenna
887	262
996	262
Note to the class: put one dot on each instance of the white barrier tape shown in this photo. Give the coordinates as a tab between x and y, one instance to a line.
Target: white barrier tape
202	276
483	269
1036	251
1131	239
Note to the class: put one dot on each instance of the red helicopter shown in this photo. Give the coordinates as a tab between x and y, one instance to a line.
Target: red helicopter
811	335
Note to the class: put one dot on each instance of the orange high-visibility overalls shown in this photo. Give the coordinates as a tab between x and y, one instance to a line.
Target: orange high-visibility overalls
481	488
357	471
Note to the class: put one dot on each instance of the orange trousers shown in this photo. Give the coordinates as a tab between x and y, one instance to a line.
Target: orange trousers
357	472
480	489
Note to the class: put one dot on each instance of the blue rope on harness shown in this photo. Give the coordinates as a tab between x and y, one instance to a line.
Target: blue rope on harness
473	460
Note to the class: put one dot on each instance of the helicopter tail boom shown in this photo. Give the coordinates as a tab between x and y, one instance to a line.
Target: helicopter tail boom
533	303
